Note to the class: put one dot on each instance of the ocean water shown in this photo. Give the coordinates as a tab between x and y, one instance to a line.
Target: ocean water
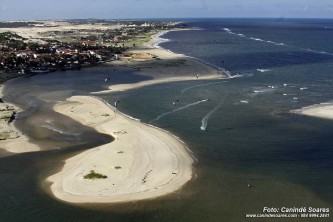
249	138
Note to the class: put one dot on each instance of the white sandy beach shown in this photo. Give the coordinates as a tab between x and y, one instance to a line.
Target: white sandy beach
21	144
130	86
142	162
323	110
170	67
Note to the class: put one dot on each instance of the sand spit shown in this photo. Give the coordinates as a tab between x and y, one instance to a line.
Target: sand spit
167	67
142	162
323	110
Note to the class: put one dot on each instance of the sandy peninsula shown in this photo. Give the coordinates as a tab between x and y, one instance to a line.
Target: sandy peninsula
323	110
163	66
142	162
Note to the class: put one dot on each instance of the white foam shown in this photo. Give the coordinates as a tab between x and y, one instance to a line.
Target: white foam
227	29
277	43
254	38
257	39
264	70
159	40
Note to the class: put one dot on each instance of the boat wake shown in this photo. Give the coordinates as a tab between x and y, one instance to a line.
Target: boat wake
178	109
204	121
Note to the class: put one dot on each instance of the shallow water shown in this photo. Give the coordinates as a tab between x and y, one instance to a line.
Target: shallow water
286	158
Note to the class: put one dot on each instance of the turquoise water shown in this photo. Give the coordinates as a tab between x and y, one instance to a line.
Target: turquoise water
250	137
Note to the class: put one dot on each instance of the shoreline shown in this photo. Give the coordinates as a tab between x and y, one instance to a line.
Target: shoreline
158	165
170	164
143	162
190	68
20	143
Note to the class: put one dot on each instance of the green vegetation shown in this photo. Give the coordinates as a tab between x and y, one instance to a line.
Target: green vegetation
138	41
17	24
12	40
5	36
93	175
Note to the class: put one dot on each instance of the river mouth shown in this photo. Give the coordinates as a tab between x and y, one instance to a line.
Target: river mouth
59	138
23	175
38	94
251	139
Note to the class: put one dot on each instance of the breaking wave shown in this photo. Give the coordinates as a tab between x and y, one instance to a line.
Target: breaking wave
253	38
275	43
159	40
263	70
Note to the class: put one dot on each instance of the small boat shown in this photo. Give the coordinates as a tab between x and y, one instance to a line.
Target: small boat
175	102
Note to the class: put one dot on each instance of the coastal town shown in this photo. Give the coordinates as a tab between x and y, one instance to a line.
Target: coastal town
29	48
44	46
